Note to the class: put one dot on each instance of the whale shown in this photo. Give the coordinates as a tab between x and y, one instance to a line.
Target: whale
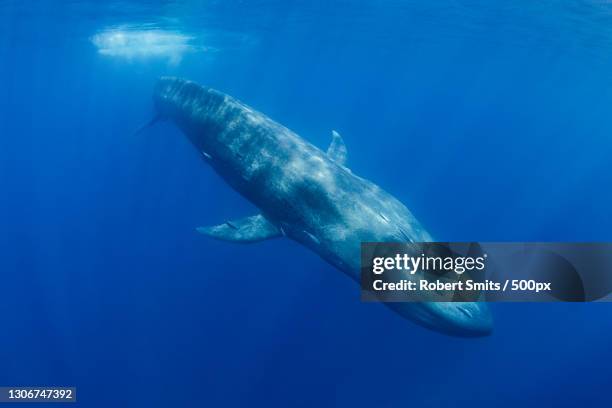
302	193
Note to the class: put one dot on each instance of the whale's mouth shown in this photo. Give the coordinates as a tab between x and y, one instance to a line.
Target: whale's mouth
164	89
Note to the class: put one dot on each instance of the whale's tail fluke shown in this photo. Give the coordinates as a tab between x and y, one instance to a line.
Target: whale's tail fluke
147	125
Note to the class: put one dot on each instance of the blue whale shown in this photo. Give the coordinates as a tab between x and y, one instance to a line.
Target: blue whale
302	193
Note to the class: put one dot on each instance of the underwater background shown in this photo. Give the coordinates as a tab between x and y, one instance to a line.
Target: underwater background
490	120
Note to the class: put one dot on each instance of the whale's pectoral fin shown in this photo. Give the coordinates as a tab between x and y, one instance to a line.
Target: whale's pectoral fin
337	149
245	230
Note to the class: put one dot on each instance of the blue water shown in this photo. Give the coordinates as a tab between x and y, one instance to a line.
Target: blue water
490	120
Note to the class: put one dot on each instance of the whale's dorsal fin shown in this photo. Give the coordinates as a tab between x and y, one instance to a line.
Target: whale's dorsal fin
337	149
245	230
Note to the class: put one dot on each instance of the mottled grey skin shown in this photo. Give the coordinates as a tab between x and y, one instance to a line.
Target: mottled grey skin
302	192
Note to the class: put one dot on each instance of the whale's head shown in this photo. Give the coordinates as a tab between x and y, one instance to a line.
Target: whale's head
464	319
197	110
175	96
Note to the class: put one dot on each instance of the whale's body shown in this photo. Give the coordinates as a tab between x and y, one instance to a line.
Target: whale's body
302	192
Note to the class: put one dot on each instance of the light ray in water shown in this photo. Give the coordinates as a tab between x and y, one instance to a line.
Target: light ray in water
141	44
